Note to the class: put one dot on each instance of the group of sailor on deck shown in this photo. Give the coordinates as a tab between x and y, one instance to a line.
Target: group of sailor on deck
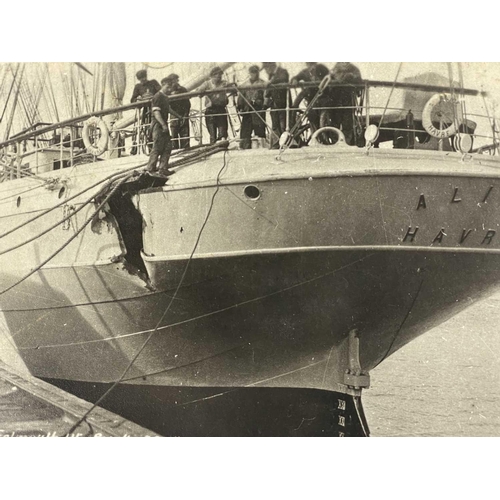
251	105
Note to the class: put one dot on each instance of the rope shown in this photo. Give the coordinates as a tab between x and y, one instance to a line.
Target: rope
88	201
322	86
60	249
150	336
403	322
390	95
154	66
456	120
240	93
45	212
83	205
10	91
20	193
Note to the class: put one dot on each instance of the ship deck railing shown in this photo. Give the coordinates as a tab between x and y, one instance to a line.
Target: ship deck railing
134	136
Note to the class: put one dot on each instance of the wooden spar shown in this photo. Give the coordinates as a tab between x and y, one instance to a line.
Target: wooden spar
193	84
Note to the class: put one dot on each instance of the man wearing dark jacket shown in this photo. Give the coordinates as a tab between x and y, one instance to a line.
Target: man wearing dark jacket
345	98
179	127
250	103
145	89
314	72
162	142
276	100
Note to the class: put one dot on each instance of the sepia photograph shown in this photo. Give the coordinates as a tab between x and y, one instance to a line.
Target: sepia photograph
249	249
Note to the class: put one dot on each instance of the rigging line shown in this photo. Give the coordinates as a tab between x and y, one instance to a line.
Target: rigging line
491	120
65	91
94	87
41	214
153	66
390	94
67	242
38	96
3	200
403	322
14	104
253	384
104	80
74	93
240	94
52	95
461	82
453	95
260	214
205	315
58	223
30	105
23	173
81	79
5	71
27	105
150	336
10	91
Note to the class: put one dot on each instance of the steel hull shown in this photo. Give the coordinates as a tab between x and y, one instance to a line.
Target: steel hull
265	301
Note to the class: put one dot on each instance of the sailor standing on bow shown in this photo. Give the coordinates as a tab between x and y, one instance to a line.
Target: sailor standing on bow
276	99
179	128
215	106
162	142
143	91
250	102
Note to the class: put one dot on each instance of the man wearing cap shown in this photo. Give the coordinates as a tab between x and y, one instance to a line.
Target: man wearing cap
276	99
145	89
179	127
162	143
215	105
249	103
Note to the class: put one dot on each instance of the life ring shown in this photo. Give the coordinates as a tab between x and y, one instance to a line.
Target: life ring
441	109
341	137
102	143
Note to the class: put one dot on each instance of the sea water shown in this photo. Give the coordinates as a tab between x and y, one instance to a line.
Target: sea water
445	383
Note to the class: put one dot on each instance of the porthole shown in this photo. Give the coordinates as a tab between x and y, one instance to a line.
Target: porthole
61	192
252	192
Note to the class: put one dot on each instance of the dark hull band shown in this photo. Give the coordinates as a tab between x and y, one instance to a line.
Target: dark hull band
229	411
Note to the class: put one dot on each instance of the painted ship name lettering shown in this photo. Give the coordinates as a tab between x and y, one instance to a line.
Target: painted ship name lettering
486	235
455	198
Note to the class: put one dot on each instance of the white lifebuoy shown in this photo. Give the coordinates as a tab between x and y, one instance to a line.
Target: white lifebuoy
102	143
341	137
442	109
